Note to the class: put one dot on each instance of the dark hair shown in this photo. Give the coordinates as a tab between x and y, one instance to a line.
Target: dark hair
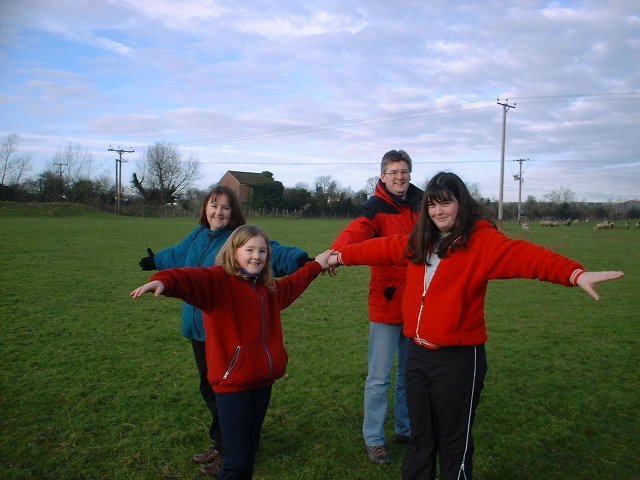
237	217
442	187
395	156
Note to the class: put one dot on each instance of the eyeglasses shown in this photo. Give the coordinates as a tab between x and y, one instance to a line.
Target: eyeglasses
395	173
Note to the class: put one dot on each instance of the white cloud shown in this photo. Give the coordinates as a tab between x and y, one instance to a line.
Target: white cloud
297	26
175	14
327	88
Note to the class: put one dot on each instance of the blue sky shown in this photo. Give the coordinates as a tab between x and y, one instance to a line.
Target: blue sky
307	89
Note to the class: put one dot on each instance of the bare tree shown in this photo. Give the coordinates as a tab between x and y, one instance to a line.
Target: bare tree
474	191
77	163
12	167
370	186
325	184
165	175
560	196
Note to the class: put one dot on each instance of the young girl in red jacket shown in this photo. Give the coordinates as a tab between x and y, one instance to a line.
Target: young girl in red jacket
241	304
451	254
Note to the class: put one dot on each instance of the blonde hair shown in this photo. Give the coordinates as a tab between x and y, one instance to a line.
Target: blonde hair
227	254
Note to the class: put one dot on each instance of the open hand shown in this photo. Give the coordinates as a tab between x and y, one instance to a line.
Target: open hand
588	280
156	286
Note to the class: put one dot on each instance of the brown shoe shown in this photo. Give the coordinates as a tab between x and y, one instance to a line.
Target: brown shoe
378	454
213	468
206	457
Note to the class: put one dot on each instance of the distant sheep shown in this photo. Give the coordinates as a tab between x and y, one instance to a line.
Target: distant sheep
525	226
549	223
637	224
604	226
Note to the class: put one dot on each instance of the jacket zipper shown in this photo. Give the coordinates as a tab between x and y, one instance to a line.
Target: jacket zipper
232	363
417	339
264	336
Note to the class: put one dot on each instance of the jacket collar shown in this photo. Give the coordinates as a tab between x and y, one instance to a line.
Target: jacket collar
412	199
222	232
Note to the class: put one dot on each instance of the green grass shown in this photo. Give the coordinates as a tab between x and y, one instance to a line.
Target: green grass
95	385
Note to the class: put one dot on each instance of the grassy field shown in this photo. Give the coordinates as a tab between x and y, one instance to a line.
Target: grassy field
97	386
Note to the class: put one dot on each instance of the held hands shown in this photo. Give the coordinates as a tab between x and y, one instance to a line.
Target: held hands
588	280
328	261
333	259
156	286
323	258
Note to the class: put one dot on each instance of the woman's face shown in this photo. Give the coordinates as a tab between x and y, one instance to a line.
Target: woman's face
444	214
218	212
252	256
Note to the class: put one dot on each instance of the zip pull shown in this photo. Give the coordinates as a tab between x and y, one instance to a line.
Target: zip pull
232	363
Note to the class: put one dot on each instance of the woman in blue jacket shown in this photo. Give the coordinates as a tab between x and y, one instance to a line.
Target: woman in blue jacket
221	215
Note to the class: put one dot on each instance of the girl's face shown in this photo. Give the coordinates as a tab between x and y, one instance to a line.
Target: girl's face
252	256
444	214
218	212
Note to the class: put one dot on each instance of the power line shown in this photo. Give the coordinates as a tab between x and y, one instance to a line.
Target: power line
588	96
382	118
119	161
394	117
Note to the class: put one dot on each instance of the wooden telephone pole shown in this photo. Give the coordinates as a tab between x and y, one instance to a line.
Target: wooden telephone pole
505	108
119	161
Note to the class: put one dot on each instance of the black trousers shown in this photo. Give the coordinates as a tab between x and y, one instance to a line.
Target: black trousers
207	394
443	391
242	415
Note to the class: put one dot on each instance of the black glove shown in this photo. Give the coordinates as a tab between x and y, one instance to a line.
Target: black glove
148	263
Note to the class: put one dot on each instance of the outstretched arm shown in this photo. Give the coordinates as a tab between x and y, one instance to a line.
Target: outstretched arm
156	286
588	280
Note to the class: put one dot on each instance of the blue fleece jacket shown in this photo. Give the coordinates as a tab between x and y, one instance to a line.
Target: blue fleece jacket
199	249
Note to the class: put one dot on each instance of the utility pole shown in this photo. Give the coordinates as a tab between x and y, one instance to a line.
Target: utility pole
119	161
518	178
505	108
60	165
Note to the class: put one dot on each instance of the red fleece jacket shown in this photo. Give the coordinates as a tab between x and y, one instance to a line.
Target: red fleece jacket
380	216
452	310
243	331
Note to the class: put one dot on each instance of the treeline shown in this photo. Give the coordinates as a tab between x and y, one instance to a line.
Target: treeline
163	186
325	198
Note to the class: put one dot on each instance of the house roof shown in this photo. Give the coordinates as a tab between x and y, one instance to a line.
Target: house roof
250	178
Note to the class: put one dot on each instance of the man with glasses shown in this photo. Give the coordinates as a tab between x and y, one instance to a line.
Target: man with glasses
393	209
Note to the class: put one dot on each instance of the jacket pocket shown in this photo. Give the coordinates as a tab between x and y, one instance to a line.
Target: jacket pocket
232	363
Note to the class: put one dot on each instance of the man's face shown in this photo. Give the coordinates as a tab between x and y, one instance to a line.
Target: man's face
396	178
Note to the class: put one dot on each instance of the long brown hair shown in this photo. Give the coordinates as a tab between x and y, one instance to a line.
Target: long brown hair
444	186
227	254
237	217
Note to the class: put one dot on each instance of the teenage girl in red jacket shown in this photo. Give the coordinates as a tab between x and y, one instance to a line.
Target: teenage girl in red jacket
241	303
451	255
